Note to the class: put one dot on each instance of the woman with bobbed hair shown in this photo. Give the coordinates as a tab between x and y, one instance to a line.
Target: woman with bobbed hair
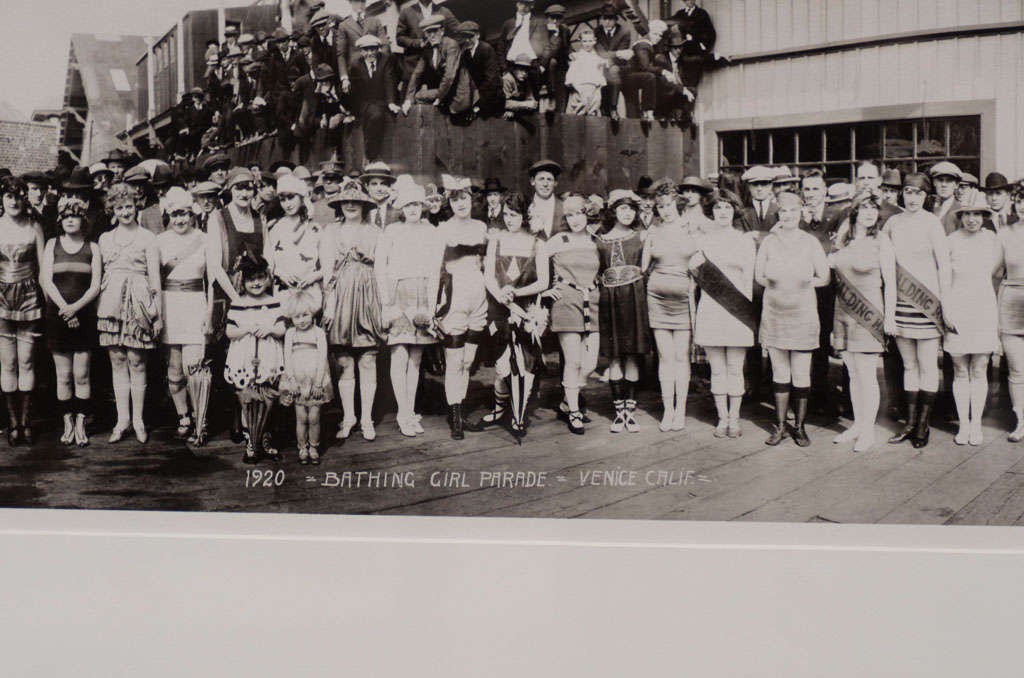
723	267
128	315
865	272
922	279
790	265
293	244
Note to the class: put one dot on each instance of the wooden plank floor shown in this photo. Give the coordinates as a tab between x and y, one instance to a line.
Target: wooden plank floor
688	475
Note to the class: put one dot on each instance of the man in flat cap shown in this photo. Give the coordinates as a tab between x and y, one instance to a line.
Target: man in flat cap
354	26
410	32
762	213
546	211
373	92
216	168
559	54
484	67
440	79
945	178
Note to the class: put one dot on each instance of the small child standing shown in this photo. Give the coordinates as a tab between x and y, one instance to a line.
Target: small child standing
306	382
255	360
585	78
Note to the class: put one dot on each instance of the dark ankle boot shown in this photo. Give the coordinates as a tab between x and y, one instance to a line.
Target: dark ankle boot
908	430
781	407
926	400
26	418
455	415
13	410
800	396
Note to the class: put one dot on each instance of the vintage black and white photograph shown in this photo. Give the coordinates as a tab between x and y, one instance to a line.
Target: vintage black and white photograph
717	260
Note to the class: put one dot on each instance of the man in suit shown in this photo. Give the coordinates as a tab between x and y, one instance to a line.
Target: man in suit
546	213
353	27
522	36
614	42
639	85
559	55
318	104
763	212
373	93
440	78
285	64
329	48
493	209
815	218
410	32
484	66
945	177
378	179
997	193
674	99
699	38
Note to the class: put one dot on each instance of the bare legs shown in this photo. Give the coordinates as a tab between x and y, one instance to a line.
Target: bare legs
726	364
366	365
405	378
579	352
674	376
865	396
1013	349
128	366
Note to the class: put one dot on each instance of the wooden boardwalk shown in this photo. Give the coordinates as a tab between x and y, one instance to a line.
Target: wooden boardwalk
689	475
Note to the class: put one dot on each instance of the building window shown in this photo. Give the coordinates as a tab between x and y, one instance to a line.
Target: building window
907	145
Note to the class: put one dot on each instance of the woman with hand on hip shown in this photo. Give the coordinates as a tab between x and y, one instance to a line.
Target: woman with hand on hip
865	269
128	315
723	267
790	264
922	280
975	254
667	250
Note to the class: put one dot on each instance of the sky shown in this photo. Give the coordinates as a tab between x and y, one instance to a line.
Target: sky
35	34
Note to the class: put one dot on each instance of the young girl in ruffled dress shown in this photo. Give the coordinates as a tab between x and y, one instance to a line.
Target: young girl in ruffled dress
306	382
255	360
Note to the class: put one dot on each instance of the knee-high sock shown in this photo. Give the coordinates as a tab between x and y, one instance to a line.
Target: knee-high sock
962	398
979	393
137	388
13	399
722	407
26	408
667	379
122	397
367	392
347	389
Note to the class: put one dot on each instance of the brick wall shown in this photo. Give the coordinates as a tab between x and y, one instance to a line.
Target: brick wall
27	146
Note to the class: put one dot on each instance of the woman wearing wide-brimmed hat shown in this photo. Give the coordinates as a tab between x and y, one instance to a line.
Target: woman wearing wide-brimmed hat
623	307
923	278
975	254
408	267
790	265
666	257
352	312
128	315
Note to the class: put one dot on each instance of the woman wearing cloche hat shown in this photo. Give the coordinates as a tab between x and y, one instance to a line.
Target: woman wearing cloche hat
409	257
293	244
352	312
970	304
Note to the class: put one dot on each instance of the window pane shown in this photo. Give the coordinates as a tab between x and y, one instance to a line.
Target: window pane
869	141
784	147
757	153
969	165
837	142
838	172
931	138
732	148
964	136
905	167
810	145
899	140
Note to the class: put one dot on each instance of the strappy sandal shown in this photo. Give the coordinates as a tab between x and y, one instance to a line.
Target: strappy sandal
184	427
576	423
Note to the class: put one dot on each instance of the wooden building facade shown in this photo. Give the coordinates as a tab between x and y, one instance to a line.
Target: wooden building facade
829	83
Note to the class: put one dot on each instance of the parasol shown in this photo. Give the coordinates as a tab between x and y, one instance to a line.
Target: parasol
198	385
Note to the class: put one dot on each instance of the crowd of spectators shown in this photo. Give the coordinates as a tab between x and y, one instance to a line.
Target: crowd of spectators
335	71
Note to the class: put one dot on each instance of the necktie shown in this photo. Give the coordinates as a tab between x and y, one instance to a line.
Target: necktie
370	66
436	59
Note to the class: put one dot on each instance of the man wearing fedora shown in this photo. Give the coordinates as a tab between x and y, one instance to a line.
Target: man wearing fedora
997	194
698	32
410	35
892	183
117	162
321	109
493	209
674	98
373	93
440	79
484	67
545	212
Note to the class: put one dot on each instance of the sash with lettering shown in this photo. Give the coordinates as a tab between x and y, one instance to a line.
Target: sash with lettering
716	284
917	294
853	303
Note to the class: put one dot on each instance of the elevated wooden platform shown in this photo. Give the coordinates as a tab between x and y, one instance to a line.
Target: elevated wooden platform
597	154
